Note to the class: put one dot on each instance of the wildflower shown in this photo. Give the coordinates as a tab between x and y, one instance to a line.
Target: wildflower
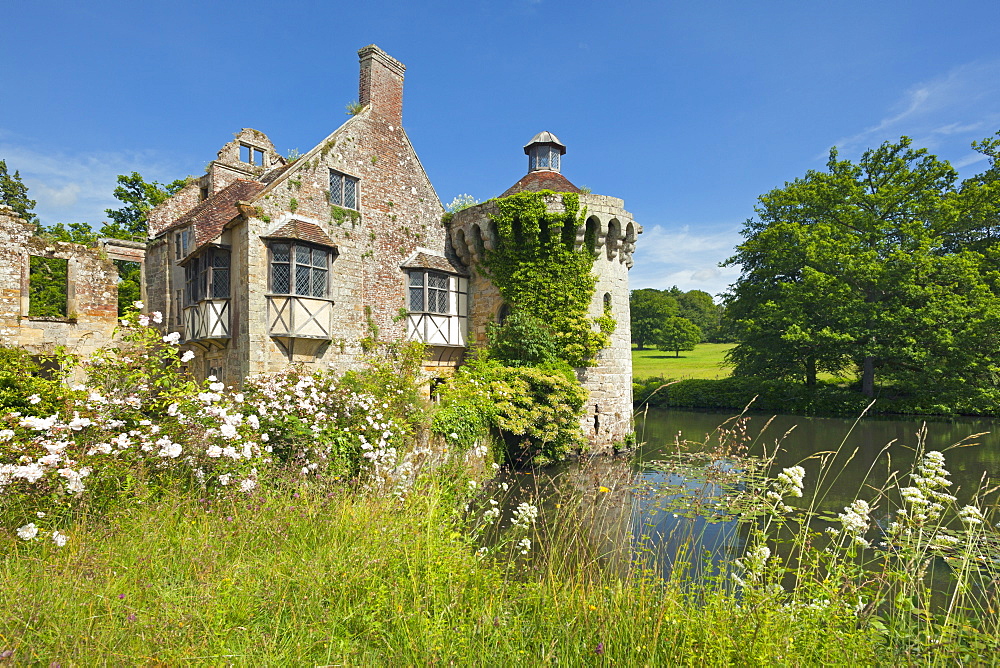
59	539
27	532
855	519
173	338
525	545
525	515
599	649
603	490
453	435
40	514
248	485
971	515
789	481
6	435
224	479
187	356
472	485
144	320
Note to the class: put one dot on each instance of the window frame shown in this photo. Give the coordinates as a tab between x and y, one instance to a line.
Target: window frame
340	197
293	263
254	153
429	294
203	276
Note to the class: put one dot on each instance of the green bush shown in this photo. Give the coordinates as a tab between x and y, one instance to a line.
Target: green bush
534	411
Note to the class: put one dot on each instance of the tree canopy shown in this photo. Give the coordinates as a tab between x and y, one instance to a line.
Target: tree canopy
887	267
678	334
649	309
14	194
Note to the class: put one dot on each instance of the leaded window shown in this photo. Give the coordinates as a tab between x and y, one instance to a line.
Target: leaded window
207	276
299	269
343	190
428	292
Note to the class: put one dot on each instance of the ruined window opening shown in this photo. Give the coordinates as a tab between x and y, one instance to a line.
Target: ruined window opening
251	154
607	302
428	292
203	193
343	190
300	269
207	276
129	284
48	287
503	313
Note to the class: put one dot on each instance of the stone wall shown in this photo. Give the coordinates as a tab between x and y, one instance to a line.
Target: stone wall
92	292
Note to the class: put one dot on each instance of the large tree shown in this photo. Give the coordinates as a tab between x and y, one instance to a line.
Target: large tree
650	309
872	265
678	334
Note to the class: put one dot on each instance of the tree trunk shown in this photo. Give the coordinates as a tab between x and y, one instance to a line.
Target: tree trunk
868	377
810	373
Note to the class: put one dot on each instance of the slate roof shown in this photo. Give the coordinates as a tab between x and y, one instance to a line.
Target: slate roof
300	229
210	216
422	260
541	180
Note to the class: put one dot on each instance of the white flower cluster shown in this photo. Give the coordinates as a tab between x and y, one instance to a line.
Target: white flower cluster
787	483
854	521
926	498
524	516
524	545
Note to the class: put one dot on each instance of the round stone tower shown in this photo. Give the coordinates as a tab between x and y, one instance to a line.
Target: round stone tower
611	234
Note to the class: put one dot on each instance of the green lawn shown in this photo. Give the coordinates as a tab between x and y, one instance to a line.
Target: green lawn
707	360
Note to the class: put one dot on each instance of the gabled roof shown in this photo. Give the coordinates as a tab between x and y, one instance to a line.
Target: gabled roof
210	216
541	180
423	258
300	229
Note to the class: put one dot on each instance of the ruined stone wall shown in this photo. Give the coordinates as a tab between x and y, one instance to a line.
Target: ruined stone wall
92	293
608	415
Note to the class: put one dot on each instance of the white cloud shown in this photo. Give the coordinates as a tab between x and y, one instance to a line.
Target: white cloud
74	187
944	114
690	260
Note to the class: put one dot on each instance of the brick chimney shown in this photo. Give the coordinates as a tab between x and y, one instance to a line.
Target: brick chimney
381	84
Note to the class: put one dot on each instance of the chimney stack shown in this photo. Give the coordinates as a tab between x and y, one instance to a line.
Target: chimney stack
381	84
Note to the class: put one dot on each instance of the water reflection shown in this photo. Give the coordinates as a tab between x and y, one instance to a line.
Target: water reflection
659	514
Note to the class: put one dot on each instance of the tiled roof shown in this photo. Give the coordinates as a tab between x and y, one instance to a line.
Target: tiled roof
210	216
421	260
300	229
542	180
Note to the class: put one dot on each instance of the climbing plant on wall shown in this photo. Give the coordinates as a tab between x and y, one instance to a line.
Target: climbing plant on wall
539	271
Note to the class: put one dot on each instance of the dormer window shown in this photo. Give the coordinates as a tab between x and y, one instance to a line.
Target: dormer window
252	154
343	190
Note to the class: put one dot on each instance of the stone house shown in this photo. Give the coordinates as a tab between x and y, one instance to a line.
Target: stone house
266	261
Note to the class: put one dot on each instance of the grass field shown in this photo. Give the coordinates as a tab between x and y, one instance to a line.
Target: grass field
707	360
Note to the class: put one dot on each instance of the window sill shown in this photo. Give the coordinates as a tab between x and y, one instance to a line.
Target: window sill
50	318
279	295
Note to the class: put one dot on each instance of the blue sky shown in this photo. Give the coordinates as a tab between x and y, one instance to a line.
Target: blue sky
688	111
